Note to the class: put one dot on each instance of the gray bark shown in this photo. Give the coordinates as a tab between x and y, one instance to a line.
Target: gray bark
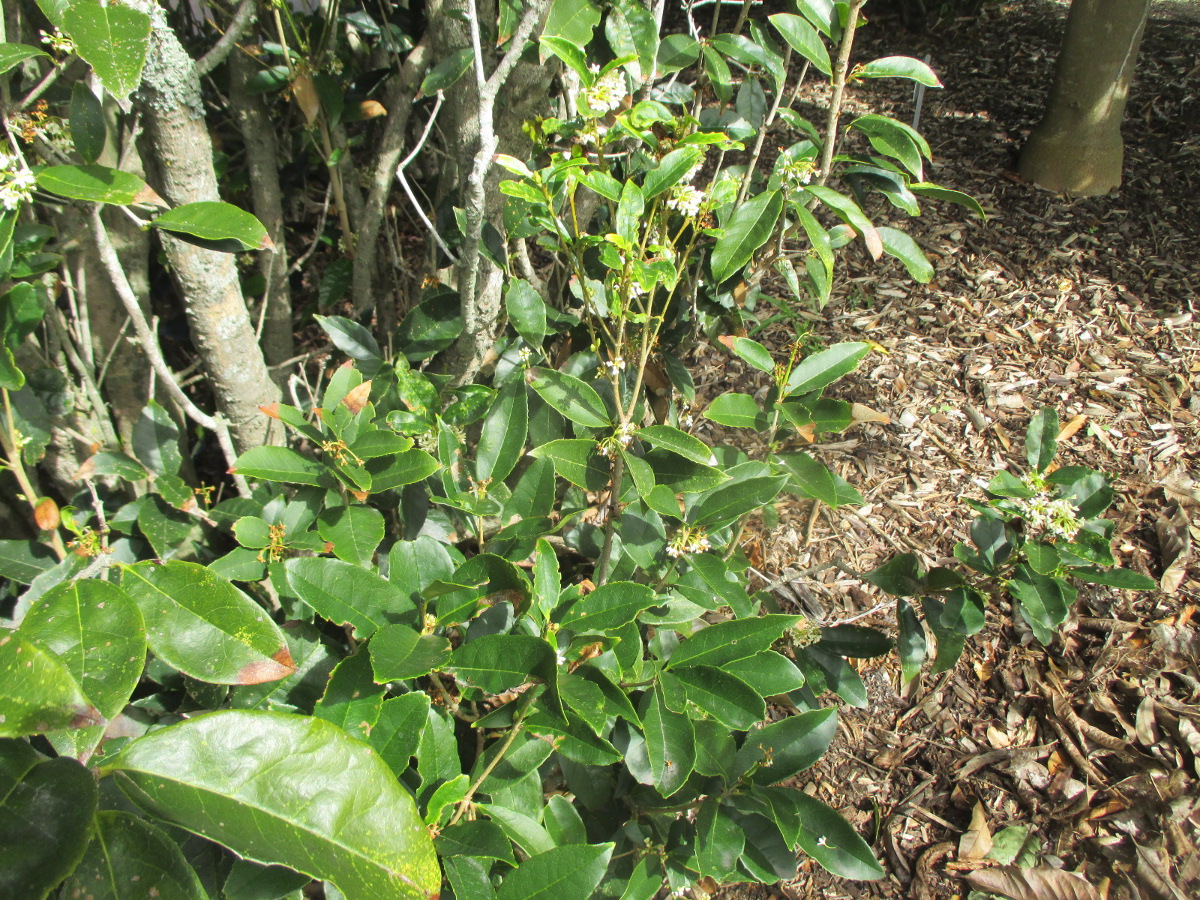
1077	146
216	311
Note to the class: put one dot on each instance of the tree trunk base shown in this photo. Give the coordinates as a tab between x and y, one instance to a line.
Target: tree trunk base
1061	157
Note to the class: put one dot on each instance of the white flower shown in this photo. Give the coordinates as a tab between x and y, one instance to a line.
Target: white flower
624	434
687	200
608	93
1057	518
615	365
526	355
16	182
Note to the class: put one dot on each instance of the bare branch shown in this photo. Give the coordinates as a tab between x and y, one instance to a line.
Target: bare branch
243	17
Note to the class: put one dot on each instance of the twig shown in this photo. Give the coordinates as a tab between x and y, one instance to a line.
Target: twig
840	69
320	229
517	727
112	265
44	85
412	197
243	17
762	134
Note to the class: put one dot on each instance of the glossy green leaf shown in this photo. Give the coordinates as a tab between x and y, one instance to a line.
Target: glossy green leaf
398	731
280	464
113	40
14	54
95	184
855	641
737	411
670	743
128	859
768	672
222	226
681	475
910	644
850	213
502	437
895	139
900	245
676	52
670	171
448	71
898	67
726	587
804	39
250	881
409	467
352	701
1118	578
350	337
88	128
722	695
288	790
347	594
203	626
720	840
96	631
431	327
40	693
46	811
791	745
949	642
821	833
573	870
811	479
735	499
837	674
1041	602
750	351
563	821
729	641
526	310
825	367
748	228
399	653
578	461
354	531
609	608
924	189
23	561
575	399
1041	439
667	437
498	662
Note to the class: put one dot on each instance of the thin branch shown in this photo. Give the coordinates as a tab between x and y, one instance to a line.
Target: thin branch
44	85
412	197
112	265
762	135
840	71
243	17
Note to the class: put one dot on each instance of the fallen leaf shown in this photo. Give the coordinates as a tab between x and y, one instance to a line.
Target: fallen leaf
976	843
860	413
1068	431
1174	547
1032	884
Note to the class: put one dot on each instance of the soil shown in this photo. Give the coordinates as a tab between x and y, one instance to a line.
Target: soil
1085	305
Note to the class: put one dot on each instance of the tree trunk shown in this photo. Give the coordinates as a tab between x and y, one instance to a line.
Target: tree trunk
216	311
1077	146
262	159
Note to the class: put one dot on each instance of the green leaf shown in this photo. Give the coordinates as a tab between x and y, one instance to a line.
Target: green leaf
398	653
575	399
563	821
431	327
347	594
895	139
404	468
726	586
630	208
900	576
788	746
287	790
825	367
837	674
250	881
682	476
751	351
126	851
451	68
354	531
720	840
811	479
898	67
113	40
768	672
572	20
670	743
498	662
949	642
748	228
88	128
351	338
578	461
96	631
731	501
475	838
898	244
609	608
1118	578
526	310
502	437
40	693
14	54
855	641
23	561
677	441
203	626
352	700
217	225
1041	602
46	814
722	695
573	870
737	411
822	833
676	52
804	39
280	464
1041	439
730	641
925	189
910	644
670	171
95	184
850	213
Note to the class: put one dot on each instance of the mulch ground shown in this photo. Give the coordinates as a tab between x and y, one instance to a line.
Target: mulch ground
1086	305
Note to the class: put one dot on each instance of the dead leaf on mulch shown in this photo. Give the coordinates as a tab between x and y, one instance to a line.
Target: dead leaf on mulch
1174	544
1032	884
976	843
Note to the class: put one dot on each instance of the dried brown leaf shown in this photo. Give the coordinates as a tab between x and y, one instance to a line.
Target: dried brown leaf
1068	431
356	398
860	413
307	98
1032	884
1174	546
976	843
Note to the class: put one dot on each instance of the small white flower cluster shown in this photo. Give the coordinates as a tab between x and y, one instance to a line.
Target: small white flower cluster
608	93
58	42
526	355
614	366
687	200
1054	517
688	540
624	433
16	182
797	172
